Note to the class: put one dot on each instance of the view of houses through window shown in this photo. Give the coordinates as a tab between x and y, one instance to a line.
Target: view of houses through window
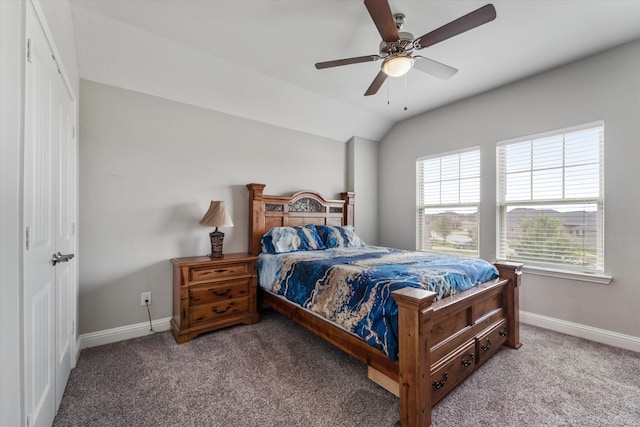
447	202
550	199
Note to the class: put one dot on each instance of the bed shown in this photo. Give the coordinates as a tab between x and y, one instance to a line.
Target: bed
439	343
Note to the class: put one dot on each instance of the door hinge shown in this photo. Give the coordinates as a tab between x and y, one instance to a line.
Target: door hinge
26	237
57	65
29	50
73	132
28	420
73	327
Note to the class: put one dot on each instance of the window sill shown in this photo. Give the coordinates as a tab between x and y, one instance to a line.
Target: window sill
580	276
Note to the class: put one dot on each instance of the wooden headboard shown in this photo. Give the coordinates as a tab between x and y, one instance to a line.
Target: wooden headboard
301	208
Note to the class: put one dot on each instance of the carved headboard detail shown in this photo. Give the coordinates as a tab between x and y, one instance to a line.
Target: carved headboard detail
301	208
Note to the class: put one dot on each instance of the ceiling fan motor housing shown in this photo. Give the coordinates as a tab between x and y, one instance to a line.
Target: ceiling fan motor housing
403	46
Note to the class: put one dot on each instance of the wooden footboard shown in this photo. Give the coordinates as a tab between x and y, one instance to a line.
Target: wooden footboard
440	343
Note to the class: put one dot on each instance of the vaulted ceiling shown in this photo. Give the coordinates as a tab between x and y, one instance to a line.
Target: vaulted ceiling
255	59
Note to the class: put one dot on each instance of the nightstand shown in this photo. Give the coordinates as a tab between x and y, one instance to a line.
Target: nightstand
213	293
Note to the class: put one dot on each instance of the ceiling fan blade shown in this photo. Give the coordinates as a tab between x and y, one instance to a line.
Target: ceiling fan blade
381	14
434	68
375	85
346	61
486	13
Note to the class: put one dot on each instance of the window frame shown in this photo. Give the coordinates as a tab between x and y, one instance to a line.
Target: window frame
420	205
502	204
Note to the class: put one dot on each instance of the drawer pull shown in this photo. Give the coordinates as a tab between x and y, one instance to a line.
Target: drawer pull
220	294
486	346
439	384
215	310
466	363
504	332
222	270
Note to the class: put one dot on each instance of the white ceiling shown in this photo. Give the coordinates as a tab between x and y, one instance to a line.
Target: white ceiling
256	59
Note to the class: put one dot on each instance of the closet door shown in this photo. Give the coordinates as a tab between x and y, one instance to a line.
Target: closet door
49	217
65	272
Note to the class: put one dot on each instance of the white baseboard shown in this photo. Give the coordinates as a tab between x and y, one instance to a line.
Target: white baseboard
615	339
122	333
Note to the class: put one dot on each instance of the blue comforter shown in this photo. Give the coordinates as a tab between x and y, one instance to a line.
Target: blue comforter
352	286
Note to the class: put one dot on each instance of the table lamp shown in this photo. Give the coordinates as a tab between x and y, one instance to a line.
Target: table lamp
216	216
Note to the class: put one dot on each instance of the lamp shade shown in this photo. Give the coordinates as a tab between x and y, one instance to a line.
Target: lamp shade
217	216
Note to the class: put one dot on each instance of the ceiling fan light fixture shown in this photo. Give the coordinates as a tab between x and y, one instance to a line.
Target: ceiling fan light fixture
396	66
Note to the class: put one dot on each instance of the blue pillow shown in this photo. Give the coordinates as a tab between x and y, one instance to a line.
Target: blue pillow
291	239
339	237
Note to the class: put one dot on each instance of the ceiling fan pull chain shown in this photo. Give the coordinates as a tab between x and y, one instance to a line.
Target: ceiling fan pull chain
388	91
405	92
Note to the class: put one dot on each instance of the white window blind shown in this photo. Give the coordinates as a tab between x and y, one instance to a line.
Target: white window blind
448	194
550	199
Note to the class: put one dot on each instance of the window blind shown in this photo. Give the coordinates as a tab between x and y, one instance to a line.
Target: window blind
551	199
448	194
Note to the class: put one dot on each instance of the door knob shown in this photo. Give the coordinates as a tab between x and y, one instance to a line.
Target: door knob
56	258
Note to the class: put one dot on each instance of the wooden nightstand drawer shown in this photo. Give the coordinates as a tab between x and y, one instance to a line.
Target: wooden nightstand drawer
204	294
209	312
198	274
213	293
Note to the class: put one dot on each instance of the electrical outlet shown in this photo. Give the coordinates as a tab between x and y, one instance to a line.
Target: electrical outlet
145	298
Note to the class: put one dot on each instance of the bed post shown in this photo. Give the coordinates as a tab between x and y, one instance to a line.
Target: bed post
414	355
256	217
513	272
349	205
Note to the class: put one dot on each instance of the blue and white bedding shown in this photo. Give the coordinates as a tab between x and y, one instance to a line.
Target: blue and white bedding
352	286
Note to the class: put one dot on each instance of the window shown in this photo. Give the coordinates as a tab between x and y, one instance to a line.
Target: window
550	199
448	188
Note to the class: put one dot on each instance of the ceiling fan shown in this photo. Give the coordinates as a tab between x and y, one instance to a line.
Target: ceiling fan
397	48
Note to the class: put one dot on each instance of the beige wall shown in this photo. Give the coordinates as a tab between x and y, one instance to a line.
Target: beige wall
148	169
602	87
362	155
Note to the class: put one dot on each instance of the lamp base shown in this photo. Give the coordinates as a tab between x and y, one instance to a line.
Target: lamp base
217	237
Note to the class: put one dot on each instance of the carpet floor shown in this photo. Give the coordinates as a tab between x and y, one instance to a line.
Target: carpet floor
276	373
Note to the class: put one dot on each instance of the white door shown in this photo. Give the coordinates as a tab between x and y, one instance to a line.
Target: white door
65	272
49	215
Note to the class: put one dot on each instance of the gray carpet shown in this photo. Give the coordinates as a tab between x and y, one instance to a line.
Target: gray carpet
276	373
